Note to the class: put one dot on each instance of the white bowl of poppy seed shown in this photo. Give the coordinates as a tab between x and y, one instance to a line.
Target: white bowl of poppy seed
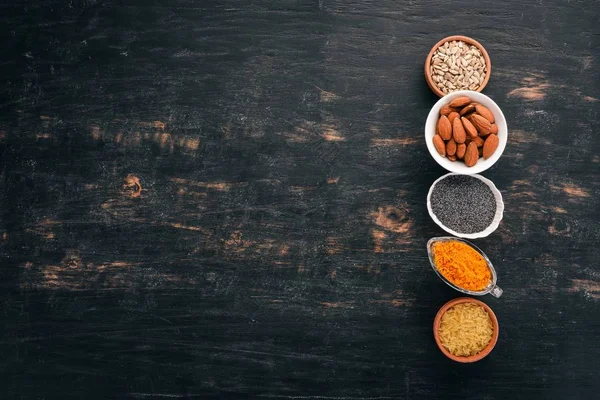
460	167
465	206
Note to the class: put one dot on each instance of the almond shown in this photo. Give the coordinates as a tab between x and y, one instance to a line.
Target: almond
445	110
439	145
485	113
471	155
490	146
468	109
458	131
471	131
478	141
444	127
482	125
451	147
494	129
460	101
460	150
452	158
452	115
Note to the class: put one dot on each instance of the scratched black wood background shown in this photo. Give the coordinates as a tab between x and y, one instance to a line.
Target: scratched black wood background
226	198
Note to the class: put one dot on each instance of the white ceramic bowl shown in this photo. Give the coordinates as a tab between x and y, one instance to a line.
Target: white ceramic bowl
493	225
459	166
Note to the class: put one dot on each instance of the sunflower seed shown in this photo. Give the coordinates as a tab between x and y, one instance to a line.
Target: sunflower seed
456	65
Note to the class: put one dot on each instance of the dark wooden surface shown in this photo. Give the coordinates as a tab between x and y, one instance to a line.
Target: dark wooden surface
225	198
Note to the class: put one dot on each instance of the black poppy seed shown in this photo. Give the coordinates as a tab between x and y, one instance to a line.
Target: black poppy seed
463	203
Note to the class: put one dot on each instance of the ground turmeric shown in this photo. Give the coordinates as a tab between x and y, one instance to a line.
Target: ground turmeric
461	265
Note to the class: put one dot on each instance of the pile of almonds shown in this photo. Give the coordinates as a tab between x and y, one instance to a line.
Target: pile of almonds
457	65
466	131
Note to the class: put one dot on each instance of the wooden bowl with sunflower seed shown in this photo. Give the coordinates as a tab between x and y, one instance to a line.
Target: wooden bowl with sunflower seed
457	63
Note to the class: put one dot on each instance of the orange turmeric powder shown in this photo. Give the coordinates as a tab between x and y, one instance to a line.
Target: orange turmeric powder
461	265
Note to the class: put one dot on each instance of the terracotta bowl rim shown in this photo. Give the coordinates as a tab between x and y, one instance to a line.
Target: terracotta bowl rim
483	353
465	39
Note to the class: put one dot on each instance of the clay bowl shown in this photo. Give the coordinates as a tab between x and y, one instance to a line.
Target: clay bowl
467	40
483	353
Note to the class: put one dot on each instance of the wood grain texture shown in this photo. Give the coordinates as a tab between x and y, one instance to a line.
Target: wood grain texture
227	198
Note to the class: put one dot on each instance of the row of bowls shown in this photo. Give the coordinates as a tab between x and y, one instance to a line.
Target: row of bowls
456	168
